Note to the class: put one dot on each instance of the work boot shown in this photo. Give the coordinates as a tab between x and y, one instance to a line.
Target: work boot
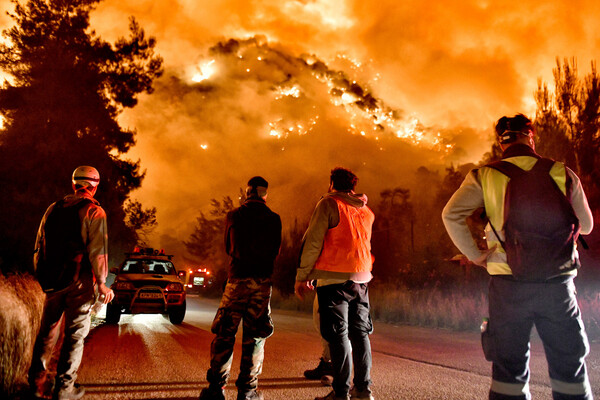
324	368
250	395
210	393
39	393
73	392
332	396
364	394
40	387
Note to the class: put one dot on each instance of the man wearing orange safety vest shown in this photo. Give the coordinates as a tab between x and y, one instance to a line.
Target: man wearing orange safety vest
516	304
336	251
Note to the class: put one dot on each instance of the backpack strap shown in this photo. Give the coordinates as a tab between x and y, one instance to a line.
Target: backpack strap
547	164
506	168
511	171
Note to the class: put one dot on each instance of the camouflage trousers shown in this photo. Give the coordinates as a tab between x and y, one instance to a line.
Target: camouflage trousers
246	300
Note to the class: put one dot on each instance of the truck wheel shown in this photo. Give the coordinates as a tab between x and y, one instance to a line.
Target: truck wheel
176	314
113	313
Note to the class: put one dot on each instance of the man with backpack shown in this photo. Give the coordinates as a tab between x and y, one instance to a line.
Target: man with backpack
536	209
70	253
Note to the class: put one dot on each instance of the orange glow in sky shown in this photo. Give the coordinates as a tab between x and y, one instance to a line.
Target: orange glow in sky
381	87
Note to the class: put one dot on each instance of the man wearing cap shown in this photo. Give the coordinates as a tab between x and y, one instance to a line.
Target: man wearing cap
70	254
252	240
515	306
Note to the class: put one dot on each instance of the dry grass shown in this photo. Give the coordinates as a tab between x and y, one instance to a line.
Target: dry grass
433	307
589	303
460	309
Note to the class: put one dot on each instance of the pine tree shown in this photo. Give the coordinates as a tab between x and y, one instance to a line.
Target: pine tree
60	110
568	124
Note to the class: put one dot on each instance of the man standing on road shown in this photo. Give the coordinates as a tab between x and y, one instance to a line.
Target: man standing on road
516	302
252	239
71	251
336	251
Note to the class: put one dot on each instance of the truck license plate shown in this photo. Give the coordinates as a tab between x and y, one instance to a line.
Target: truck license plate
151	296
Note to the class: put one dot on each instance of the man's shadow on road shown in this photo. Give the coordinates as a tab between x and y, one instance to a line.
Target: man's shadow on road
165	390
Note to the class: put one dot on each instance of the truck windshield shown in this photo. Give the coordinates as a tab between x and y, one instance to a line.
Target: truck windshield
148	267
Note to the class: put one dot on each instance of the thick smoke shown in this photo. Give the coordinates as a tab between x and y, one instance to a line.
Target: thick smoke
432	67
265	111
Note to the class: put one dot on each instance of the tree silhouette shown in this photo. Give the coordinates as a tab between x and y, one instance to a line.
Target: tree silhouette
206	244
393	232
142	221
568	123
67	88
286	264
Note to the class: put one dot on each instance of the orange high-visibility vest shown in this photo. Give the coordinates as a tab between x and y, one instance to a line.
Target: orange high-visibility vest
347	247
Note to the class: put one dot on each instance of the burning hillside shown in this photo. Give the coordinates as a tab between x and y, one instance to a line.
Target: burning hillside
250	107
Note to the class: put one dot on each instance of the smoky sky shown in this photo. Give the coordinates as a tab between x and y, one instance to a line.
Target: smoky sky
326	83
265	111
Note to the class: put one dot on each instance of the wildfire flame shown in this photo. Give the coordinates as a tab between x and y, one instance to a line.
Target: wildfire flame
292	91
205	71
369	116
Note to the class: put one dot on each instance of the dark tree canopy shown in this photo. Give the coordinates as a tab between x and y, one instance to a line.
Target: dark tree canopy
142	221
206	245
568	124
60	107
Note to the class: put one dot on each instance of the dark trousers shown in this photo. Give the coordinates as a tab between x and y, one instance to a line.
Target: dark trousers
73	304
246	300
346	325
515	307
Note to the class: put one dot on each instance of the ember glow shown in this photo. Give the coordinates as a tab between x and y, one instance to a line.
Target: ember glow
291	88
205	71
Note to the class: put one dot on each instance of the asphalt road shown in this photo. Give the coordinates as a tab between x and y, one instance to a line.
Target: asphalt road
146	357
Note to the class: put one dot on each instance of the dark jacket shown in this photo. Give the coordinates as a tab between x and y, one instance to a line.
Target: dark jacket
252	239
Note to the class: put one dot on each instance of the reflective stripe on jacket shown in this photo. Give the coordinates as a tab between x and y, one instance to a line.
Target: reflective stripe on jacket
347	247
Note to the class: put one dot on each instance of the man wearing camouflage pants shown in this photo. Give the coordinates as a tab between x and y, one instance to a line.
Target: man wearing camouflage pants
252	239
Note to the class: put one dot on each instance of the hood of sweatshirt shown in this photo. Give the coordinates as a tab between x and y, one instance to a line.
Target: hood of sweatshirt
354	199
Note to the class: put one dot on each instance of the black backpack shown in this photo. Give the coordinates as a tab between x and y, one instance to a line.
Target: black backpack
59	263
540	226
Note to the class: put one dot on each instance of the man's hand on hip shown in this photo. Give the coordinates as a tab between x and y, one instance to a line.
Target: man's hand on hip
482	259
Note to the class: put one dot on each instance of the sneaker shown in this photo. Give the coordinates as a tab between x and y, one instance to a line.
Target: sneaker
74	392
326	380
332	396
324	368
251	395
365	394
212	394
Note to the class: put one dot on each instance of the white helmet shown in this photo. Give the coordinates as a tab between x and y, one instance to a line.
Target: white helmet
86	176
